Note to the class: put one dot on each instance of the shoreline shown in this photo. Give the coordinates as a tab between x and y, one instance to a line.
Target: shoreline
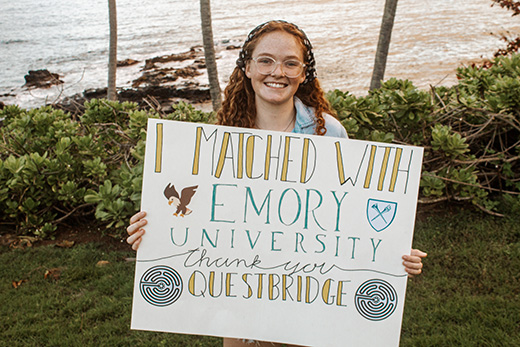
156	83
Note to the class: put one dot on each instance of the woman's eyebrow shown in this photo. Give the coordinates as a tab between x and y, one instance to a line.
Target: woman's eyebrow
288	57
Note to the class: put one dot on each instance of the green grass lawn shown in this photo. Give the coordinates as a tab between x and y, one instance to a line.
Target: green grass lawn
467	296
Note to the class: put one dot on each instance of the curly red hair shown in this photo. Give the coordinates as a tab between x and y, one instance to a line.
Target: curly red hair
238	107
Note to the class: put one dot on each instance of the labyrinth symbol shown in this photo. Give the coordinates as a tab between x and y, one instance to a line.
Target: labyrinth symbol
161	286
376	299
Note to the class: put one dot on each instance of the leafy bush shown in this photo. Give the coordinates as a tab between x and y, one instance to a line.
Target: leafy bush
54	166
41	169
470	132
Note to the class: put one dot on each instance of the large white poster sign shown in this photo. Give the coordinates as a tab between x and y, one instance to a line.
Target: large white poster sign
274	236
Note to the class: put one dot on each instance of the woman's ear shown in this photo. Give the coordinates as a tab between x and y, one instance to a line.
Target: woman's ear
303	76
247	69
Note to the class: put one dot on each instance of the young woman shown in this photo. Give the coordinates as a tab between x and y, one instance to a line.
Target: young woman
274	87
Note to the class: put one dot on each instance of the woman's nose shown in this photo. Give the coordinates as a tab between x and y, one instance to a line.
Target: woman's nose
278	70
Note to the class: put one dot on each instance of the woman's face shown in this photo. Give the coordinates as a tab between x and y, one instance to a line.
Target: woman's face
276	88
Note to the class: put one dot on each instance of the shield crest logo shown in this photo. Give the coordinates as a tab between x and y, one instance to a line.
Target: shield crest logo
380	213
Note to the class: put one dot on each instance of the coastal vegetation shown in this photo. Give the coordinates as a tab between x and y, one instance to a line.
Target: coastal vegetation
56	166
470	132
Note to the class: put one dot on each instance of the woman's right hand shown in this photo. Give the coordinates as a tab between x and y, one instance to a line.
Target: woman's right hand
135	229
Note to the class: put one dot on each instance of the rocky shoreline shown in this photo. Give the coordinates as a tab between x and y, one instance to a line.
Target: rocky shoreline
159	86
162	81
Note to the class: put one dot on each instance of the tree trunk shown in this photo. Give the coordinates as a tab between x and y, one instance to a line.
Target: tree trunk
383	44
209	54
112	55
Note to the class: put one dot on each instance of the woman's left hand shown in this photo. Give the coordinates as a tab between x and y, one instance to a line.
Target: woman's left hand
413	262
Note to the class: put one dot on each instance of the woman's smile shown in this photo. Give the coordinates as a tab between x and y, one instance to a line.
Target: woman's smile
275	85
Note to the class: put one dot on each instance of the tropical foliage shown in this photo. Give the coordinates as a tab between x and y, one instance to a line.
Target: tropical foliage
470	132
55	166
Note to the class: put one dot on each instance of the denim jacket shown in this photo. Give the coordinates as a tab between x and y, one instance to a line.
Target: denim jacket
305	121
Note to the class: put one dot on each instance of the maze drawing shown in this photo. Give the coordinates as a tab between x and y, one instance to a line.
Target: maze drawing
376	299
161	286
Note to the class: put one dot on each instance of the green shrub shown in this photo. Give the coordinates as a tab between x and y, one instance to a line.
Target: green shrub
470	132
42	168
54	166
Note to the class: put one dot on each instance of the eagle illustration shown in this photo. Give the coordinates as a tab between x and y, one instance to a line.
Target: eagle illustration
180	202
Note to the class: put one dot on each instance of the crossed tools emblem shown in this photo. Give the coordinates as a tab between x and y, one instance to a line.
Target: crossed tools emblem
380	213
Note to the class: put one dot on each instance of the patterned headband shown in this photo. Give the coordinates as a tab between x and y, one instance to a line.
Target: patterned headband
310	71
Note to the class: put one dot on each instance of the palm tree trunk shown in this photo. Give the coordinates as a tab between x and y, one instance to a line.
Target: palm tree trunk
209	53
112	55
383	44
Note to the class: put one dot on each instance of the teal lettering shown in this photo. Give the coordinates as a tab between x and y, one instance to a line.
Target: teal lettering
250	241
204	233
280	206
273	241
321	242
353	245
375	248
267	200
298	241
306	223
338	203
215	204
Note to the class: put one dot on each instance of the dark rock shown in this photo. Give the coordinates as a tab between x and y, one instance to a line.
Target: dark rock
158	85
41	79
127	62
231	47
188	72
200	63
164	93
149	64
193	53
155	77
95	93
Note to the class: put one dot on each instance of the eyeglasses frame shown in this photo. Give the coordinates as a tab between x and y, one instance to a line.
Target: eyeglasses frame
276	63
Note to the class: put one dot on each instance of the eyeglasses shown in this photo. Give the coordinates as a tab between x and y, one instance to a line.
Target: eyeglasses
267	65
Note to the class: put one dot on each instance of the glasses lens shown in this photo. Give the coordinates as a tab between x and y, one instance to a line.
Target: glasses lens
266	66
292	68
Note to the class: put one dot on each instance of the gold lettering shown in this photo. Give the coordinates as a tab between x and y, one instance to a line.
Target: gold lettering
158	147
384	166
305	158
397	161
285	164
222	157
370	168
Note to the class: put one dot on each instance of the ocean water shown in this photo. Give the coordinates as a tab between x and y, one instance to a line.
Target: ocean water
431	38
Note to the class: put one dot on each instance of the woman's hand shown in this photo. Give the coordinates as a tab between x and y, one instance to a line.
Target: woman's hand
413	262
135	229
